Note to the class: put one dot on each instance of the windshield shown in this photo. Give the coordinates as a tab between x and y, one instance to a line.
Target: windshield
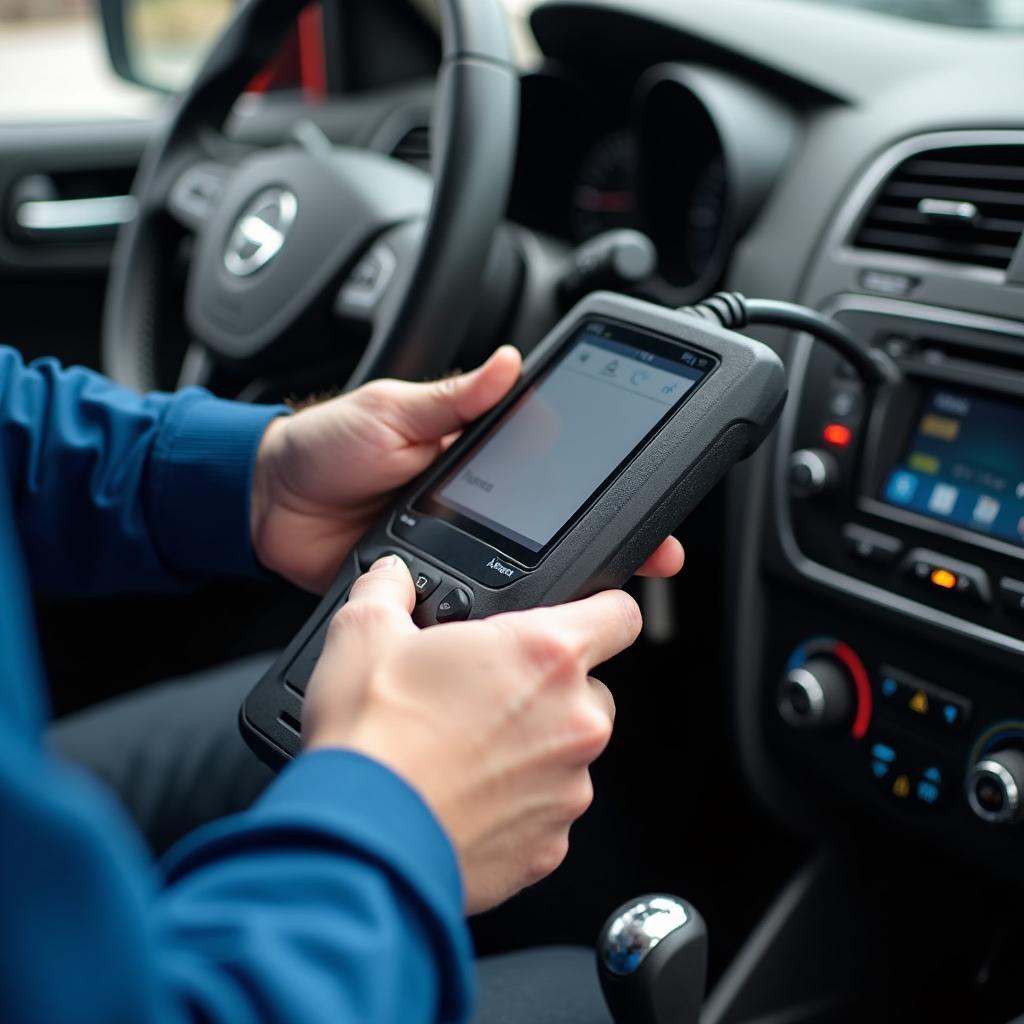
989	14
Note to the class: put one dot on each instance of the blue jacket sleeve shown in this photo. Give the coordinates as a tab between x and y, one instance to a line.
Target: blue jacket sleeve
117	491
337	898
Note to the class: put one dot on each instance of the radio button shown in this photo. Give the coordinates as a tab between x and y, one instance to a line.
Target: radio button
945	575
812	472
1011	595
871	546
454	606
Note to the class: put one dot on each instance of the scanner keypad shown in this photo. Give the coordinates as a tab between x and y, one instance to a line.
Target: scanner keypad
439	599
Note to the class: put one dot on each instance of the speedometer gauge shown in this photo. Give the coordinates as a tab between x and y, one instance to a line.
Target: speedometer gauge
703	229
605	193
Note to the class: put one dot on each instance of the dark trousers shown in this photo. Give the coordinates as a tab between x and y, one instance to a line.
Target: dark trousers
174	756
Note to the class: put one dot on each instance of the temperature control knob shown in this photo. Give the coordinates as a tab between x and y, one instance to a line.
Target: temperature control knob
819	694
995	789
812	472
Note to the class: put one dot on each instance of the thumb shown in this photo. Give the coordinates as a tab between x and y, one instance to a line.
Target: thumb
379	606
386	584
430	411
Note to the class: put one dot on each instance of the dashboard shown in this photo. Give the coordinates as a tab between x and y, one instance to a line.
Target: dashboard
872	168
683	153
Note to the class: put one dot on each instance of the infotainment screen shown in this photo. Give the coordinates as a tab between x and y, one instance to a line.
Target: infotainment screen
603	395
964	464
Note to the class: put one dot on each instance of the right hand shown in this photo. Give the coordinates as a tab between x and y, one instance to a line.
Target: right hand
495	721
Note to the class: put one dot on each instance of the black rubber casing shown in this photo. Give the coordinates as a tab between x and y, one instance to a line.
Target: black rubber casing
723	420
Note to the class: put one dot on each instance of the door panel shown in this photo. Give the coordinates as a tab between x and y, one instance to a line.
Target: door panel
52	275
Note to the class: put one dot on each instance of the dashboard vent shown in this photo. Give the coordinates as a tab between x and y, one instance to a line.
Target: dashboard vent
962	205
414	147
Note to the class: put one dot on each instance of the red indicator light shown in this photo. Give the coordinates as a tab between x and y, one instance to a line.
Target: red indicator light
838	435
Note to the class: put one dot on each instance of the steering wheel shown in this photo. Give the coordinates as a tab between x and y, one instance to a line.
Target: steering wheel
287	237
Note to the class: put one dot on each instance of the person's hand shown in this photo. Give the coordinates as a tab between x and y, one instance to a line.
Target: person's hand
495	721
323	475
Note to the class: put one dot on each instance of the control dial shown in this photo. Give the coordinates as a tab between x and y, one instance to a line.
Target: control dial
995	789
812	472
819	694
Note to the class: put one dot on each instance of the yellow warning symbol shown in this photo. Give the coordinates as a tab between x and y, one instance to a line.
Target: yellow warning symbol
919	702
901	787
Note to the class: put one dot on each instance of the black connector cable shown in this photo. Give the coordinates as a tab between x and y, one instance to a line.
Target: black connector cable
736	311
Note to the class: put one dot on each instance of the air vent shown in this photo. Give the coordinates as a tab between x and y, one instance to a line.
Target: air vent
962	205
414	147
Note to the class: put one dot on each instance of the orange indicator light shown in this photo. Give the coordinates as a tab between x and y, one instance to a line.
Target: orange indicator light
943	578
838	435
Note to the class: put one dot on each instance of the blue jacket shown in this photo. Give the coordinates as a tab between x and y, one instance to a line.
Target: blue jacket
336	898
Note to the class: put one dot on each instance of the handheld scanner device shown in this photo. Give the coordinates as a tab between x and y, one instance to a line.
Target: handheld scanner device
625	416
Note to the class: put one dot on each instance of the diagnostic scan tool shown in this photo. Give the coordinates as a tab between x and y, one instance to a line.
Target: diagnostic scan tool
626	415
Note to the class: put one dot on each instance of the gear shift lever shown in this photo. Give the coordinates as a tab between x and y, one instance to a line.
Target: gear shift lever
652	959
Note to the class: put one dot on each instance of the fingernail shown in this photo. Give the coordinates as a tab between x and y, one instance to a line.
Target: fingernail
387	562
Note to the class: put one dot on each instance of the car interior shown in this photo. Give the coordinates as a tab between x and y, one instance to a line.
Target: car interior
819	741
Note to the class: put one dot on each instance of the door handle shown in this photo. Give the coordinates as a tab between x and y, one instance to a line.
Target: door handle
53	217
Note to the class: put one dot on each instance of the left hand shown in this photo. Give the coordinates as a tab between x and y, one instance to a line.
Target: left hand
323	475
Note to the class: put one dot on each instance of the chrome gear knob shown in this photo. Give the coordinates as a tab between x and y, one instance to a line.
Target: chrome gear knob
652	960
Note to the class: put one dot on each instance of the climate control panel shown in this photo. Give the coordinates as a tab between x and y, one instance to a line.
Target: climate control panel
910	731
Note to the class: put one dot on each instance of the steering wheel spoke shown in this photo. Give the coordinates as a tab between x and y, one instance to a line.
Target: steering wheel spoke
196	193
196	368
383	269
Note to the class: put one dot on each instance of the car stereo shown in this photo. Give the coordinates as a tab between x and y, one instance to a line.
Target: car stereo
963	464
920	493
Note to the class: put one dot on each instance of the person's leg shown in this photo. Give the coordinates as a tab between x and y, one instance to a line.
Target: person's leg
172	752
547	985
174	756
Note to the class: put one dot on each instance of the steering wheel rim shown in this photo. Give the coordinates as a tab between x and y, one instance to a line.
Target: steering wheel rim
474	135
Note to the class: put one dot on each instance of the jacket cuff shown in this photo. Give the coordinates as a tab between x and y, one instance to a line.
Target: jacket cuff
203	463
349	805
375	811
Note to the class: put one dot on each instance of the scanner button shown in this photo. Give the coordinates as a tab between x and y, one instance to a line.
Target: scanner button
368	557
454	606
426	582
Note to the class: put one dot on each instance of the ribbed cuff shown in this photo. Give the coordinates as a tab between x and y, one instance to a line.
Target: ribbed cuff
376	811
203	464
344	803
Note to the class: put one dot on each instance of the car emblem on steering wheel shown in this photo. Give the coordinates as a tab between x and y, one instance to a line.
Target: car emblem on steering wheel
260	232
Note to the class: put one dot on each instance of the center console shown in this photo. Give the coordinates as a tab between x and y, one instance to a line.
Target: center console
893	661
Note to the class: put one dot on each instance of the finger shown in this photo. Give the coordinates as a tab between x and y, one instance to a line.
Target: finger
430	411
381	599
597	627
602	697
667	560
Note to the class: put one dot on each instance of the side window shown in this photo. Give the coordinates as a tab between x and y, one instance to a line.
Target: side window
54	66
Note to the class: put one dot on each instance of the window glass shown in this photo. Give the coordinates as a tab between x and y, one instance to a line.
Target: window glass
54	67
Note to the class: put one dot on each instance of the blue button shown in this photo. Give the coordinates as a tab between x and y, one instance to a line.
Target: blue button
928	792
902	487
880	769
883	752
950	712
933	775
889	687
